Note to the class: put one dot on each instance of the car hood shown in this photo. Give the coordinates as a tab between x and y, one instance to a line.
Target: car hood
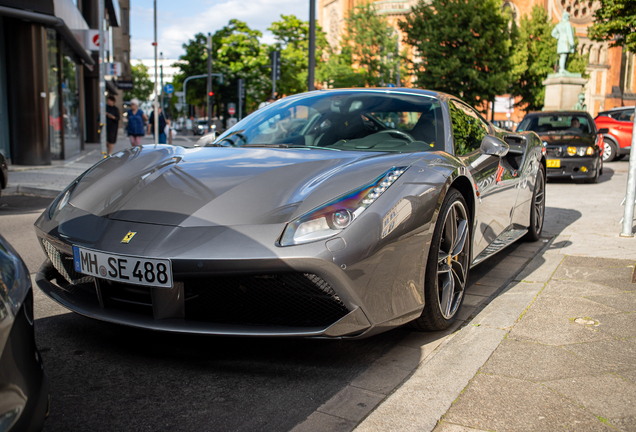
170	185
568	139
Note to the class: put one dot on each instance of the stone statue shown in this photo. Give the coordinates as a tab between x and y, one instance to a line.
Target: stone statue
563	32
580	105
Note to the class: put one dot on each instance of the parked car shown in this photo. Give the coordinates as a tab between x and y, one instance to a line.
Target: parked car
201	127
4	173
573	145
24	387
619	123
315	216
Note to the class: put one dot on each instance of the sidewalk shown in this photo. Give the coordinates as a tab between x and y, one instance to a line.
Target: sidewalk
50	180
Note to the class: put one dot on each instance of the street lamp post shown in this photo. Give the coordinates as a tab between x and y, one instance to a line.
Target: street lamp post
209	98
156	102
312	45
102	82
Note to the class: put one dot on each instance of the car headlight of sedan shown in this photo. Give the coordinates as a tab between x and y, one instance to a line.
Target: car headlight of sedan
336	215
14	281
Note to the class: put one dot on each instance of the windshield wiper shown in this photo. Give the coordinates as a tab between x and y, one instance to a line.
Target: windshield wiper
289	146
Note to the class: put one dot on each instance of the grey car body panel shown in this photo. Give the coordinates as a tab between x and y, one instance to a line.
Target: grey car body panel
221	211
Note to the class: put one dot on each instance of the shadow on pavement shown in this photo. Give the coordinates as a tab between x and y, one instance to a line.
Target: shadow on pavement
21	204
111	377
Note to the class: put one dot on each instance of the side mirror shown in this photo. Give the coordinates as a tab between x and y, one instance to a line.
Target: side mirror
493	146
603	131
206	139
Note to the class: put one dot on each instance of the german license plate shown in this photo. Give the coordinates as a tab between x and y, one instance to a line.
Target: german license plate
553	163
122	268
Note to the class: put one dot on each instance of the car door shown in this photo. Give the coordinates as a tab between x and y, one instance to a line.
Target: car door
625	126
497	192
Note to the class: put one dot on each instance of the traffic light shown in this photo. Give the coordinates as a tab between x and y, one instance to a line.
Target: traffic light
211	94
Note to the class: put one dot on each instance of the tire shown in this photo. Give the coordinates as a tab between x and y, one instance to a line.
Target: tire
447	265
600	172
537	207
609	150
595	178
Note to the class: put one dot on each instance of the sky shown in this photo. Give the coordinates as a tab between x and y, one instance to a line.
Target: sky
179	20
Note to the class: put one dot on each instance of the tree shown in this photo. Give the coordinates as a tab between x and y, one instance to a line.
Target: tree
292	39
195	62
464	48
370	43
615	19
534	57
142	85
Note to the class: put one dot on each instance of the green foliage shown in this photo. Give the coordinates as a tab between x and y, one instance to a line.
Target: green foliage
464	47
292	39
338	72
467	132
371	43
142	85
534	56
615	19
237	53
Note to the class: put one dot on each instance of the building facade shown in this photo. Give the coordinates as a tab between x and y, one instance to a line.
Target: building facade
49	92
612	80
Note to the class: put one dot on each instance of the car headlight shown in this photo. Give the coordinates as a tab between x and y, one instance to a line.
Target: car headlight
590	151
336	215
571	151
62	199
14	280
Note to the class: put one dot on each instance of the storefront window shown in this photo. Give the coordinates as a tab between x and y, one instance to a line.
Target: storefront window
70	108
55	118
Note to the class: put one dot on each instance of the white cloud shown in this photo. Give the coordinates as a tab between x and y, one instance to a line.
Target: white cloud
175	30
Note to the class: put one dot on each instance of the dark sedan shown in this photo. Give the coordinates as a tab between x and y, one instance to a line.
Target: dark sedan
573	144
24	388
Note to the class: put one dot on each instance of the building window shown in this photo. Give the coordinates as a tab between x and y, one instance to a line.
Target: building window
627	71
55	115
124	21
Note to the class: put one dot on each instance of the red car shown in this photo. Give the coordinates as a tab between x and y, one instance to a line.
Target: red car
618	139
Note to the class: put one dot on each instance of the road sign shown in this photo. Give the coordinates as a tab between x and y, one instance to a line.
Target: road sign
231	108
113	69
125	85
168	88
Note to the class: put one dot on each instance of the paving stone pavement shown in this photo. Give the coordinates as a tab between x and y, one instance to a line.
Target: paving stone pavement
568	363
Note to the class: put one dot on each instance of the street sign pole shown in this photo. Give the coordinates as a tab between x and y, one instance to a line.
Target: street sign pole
312	45
102	82
156	101
209	99
161	87
274	62
630	196
241	96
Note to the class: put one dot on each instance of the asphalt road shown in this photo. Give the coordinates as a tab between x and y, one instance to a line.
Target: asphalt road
106	377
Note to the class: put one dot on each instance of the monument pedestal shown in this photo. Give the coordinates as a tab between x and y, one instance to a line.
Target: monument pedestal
562	91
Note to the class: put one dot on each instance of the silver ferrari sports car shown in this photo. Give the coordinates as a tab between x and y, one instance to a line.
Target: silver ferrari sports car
339	213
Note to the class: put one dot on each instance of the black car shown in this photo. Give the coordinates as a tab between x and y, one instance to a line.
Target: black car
24	387
4	173
571	141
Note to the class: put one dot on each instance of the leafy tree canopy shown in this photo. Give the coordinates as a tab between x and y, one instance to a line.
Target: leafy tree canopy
369	43
534	57
615	19
464	47
142	85
292	39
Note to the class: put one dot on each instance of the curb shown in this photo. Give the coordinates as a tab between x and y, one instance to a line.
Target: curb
31	190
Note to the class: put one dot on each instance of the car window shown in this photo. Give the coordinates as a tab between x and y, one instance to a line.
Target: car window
345	120
468	128
627	115
556	123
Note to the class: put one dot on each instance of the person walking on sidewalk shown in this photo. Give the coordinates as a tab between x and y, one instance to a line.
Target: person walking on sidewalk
136	120
112	124
163	121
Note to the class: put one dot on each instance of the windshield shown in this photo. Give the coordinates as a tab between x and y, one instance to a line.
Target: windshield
556	123
344	120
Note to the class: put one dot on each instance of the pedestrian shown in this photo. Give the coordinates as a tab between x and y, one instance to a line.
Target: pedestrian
112	124
136	120
163	122
266	102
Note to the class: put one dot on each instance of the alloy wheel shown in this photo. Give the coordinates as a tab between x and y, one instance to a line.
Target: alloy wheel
607	151
539	203
452	260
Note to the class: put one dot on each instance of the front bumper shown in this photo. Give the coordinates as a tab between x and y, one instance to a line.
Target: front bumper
571	167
